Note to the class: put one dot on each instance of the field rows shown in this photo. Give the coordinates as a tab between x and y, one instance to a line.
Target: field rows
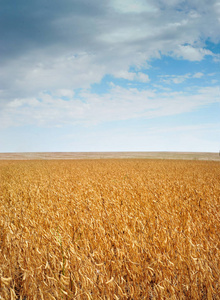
109	229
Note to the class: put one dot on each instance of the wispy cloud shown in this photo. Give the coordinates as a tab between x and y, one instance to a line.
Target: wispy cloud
118	104
169	79
198	75
132	76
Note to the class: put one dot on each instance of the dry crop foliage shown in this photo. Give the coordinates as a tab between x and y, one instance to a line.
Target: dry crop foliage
109	229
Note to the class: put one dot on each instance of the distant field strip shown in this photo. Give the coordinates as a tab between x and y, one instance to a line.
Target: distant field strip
106	155
109	229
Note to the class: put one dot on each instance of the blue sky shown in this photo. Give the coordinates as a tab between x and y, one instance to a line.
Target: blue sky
110	75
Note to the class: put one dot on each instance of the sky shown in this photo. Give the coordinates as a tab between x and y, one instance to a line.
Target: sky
109	75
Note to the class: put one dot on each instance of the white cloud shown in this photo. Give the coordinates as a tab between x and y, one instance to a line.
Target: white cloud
142	77
169	79
125	75
191	53
62	74
177	79
198	75
132	76
64	93
119	104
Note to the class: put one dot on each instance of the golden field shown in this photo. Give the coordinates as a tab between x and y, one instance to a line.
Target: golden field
109	229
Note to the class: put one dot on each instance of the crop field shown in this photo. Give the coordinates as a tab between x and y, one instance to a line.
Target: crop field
109	229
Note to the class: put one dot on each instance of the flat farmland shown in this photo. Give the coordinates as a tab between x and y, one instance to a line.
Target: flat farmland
110	155
109	229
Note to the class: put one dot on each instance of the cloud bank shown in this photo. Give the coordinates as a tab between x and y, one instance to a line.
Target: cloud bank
73	44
